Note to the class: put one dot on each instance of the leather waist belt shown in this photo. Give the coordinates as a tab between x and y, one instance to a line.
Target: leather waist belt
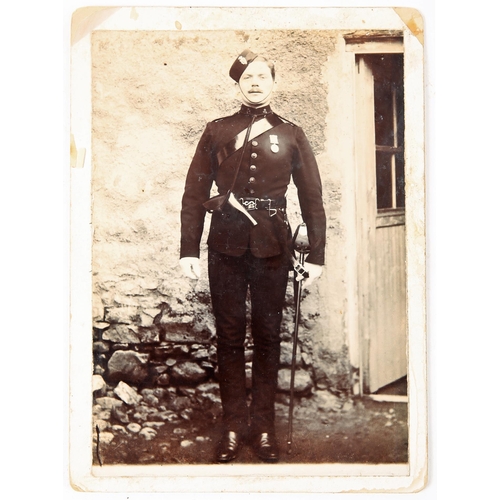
263	204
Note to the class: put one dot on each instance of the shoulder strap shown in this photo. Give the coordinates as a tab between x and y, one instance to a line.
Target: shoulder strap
287	121
267	123
245	141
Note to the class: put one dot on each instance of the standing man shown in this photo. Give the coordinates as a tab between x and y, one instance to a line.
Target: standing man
253	154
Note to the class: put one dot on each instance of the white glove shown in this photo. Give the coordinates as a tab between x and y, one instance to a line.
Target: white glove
314	271
190	267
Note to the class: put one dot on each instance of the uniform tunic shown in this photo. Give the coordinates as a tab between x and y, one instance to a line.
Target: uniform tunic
263	174
245	257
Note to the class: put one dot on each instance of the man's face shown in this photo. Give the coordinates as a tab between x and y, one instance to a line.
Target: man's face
256	83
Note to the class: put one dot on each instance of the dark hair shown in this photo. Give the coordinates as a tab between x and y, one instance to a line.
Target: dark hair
269	63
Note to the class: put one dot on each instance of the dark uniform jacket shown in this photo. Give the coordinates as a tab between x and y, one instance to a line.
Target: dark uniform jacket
265	173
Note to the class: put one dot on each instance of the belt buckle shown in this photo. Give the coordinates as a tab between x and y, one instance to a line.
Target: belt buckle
272	211
249	204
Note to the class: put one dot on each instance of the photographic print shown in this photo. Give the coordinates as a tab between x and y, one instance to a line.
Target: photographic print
248	250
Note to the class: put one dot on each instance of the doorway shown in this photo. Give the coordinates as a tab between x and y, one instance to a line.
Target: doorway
380	206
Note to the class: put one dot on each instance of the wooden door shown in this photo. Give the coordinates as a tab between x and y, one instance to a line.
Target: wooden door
381	219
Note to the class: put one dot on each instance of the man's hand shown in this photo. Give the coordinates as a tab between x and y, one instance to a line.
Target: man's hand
314	273
190	267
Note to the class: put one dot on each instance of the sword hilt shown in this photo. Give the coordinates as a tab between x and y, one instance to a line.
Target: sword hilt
301	245
300	269
301	239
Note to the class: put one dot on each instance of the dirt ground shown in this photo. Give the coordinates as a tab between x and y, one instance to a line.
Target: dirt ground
367	432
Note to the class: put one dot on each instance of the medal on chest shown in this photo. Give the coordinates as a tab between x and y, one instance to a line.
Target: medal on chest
274	143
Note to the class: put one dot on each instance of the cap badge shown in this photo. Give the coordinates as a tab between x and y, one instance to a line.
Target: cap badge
274	143
242	60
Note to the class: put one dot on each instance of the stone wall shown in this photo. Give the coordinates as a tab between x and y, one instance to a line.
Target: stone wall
152	94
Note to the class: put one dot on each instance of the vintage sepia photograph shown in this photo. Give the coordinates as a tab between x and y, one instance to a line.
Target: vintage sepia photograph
248	250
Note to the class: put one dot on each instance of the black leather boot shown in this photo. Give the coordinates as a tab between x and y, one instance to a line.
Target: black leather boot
266	447
229	446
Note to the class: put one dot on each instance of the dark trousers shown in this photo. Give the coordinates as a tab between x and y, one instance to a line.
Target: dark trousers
230	279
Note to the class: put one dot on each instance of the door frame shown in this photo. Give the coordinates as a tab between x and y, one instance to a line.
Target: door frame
365	185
